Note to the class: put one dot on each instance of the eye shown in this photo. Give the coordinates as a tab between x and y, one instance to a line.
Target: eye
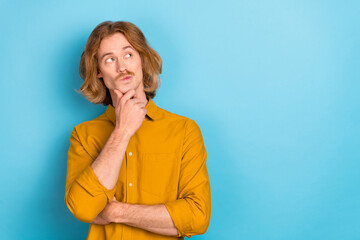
128	55
109	60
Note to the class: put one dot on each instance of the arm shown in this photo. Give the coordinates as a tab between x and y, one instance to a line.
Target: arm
153	218
191	211
91	183
107	165
129	116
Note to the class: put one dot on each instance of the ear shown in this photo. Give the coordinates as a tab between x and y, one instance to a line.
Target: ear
99	75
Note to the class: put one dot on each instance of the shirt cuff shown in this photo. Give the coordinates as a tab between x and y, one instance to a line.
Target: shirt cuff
179	212
90	182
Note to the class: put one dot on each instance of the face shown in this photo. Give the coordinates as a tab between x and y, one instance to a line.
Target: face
120	64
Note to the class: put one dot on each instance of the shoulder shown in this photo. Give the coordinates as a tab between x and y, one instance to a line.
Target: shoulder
94	125
93	134
187	129
164	114
186	122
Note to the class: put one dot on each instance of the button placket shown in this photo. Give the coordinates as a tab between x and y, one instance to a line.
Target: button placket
130	184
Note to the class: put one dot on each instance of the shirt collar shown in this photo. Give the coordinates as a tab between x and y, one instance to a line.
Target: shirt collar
152	111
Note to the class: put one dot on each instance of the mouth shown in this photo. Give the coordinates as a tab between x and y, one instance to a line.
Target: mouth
125	78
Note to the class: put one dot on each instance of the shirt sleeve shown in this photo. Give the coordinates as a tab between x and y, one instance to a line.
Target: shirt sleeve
191	211
85	196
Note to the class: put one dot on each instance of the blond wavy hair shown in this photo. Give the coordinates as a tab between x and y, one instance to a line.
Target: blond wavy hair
94	88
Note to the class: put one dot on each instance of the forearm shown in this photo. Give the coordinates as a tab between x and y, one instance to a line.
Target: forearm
153	218
107	165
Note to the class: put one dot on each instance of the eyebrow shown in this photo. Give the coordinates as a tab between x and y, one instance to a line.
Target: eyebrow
109	53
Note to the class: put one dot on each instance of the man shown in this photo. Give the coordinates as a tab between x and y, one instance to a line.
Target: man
137	171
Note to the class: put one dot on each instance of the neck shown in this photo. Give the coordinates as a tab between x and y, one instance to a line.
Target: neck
140	94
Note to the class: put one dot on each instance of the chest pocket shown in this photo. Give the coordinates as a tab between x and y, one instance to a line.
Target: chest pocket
159	173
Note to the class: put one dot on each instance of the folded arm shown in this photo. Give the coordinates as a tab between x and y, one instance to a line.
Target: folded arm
153	218
90	184
189	214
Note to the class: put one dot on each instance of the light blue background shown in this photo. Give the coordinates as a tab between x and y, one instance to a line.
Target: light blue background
273	85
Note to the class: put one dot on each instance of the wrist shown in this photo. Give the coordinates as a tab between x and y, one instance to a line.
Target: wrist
121	134
119	212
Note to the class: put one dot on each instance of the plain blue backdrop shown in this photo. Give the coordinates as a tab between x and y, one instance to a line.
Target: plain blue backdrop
273	85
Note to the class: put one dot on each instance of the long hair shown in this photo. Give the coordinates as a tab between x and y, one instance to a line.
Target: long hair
94	88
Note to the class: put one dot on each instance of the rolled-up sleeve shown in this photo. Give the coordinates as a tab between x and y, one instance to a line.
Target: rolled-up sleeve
191	211
85	196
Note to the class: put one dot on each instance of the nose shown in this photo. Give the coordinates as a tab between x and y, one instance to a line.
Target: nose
121	66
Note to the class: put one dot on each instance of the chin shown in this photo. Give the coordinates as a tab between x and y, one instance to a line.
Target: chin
123	89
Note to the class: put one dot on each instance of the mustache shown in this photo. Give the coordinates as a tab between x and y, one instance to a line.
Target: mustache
126	73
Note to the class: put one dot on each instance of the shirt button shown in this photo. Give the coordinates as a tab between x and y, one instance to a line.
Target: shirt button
130	153
130	184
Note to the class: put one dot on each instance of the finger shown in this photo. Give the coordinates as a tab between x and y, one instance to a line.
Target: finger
129	94
137	101
141	104
96	220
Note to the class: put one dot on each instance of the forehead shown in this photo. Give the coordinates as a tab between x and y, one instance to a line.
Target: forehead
112	43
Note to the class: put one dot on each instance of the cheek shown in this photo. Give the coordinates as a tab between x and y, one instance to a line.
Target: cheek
137	63
107	73
139	67
108	84
140	73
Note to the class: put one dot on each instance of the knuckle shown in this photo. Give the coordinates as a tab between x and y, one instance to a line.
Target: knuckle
122	101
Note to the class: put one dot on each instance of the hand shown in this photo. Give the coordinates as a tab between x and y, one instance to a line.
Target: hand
100	220
129	110
107	215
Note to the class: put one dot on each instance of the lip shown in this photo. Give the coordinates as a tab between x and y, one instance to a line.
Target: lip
125	78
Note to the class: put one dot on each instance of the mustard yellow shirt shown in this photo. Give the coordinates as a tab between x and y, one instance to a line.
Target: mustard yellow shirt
164	163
